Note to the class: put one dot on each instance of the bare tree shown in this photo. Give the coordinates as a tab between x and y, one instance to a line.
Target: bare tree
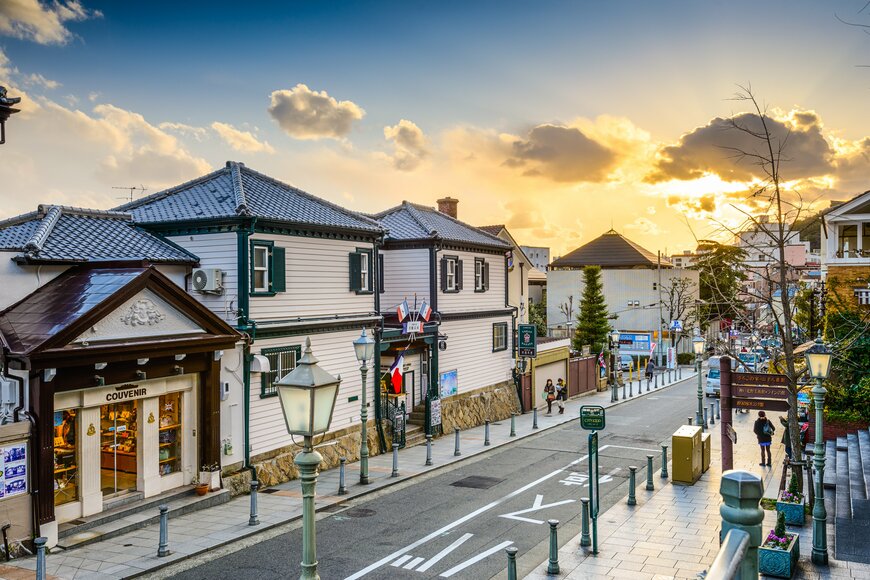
567	308
679	302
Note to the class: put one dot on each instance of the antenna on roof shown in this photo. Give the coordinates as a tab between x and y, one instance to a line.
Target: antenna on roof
129	198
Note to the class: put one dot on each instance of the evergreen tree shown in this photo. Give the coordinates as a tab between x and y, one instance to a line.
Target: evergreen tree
592	322
538	315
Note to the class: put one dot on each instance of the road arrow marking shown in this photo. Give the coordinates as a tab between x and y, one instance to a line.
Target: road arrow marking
538	505
440	555
462	566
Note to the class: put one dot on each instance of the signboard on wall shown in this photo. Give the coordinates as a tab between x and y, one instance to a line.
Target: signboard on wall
448	383
634	343
527	340
13	470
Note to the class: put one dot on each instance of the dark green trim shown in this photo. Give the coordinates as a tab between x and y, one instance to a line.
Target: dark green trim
244	326
433	278
474	315
453	246
270	272
313	328
314	231
506	336
193	227
275	350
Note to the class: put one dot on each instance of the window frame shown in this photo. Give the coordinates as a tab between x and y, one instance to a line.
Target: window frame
270	390
504	327
479	267
266	248
366	279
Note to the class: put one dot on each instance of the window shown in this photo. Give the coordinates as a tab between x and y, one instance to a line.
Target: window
848	237
267	268
65	463
481	275
451	274
282	360
499	336
169	460
361	271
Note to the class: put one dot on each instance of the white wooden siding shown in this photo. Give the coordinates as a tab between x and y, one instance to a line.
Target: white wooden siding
469	350
317	280
335	352
405	272
468	300
216	251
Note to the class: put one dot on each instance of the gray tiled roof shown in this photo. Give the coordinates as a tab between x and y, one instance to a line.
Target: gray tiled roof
610	250
409	221
236	190
66	234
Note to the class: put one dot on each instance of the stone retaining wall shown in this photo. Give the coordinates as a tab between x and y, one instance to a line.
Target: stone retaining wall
471	409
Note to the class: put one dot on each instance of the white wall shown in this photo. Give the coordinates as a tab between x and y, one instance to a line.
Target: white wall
468	300
335	352
469	350
216	251
405	272
233	409
19	281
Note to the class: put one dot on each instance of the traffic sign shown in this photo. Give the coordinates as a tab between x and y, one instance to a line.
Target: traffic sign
732	434
527	340
759	379
592	417
761	404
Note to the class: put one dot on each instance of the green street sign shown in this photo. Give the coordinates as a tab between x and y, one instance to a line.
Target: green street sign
592	417
527	340
594	502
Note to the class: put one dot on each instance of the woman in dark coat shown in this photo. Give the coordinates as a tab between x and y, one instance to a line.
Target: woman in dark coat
764	431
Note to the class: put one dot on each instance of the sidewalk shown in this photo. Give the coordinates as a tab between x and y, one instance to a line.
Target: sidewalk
673	532
135	553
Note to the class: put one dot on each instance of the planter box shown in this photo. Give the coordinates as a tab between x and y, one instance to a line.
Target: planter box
780	563
794	512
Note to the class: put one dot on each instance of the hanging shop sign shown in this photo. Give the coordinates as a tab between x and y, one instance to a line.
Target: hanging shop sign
527	343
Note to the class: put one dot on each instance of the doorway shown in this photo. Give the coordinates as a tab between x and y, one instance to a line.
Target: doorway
118	448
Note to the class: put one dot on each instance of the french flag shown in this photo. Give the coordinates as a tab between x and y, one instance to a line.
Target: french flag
396	373
425	311
403	310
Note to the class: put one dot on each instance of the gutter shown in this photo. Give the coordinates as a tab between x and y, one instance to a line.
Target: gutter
247	326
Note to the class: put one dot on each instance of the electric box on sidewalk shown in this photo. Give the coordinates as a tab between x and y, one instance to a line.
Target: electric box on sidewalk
706	448
686	460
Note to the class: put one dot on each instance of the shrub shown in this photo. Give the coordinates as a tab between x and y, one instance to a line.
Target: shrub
779	530
685	358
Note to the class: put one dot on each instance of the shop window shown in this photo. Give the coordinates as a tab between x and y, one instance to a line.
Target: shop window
499	336
65	462
282	360
169	456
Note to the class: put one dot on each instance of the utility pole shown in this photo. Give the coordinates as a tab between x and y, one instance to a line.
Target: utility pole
661	329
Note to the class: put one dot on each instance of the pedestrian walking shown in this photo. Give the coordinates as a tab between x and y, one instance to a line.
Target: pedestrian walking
786	439
549	395
650	369
764	431
561	395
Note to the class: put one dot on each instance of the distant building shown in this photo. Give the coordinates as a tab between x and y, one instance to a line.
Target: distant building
539	256
519	269
685	260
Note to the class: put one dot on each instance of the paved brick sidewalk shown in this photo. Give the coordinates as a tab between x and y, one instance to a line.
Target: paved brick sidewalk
135	553
673	532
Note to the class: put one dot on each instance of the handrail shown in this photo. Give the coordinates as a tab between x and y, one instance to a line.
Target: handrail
726	566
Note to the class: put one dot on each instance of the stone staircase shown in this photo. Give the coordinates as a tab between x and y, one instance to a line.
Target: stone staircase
849	462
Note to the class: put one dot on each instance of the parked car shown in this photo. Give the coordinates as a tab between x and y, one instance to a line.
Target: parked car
713	376
626	363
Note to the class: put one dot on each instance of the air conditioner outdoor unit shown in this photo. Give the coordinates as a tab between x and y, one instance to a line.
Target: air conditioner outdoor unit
207	279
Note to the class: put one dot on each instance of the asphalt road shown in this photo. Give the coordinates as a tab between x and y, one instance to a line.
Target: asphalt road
456	523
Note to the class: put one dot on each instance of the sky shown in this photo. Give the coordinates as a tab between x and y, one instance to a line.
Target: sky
559	119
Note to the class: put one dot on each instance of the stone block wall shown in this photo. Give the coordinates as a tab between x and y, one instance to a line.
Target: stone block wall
473	408
844	279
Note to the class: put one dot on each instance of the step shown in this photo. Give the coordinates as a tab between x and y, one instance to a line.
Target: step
841	444
843	503
133	516
830	480
856	477
864	444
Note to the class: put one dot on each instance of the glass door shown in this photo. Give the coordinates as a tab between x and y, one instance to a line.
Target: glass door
118	456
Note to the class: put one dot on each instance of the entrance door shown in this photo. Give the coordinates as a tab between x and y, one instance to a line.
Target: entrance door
118	449
409	385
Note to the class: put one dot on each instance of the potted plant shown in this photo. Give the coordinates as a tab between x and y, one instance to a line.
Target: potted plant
210	475
779	553
791	503
198	486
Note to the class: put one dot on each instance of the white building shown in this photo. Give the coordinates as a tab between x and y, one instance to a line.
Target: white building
538	255
519	273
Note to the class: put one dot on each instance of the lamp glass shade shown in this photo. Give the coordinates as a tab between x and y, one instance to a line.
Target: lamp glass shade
818	360
614	336
307	395
296	404
364	347
324	404
698	345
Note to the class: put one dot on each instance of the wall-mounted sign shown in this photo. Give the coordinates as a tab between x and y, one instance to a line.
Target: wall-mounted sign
448	383
634	343
13	470
527	340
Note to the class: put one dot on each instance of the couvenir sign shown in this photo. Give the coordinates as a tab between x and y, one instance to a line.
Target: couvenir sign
95	397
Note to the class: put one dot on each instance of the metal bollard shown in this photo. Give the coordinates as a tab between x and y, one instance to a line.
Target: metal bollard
712	414
428	450
395	460
664	461
163	547
585	540
342	490
717	410
649	470
513	424
486	433
512	562
456	451
254	520
631	475
630	388
648	383
40	557
535	418
553	562
690	421
655	380
623	390
705	417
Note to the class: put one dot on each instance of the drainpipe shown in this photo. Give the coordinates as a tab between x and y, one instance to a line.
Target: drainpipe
248	326
34	443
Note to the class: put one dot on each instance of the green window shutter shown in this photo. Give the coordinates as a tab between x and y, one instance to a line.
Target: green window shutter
485	276
444	274
278	270
380	273
355	270
458	275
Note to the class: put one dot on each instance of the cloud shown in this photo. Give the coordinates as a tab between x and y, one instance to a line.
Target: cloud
409	143
561	153
716	149
241	140
306	114
37	80
645	226
40	22
198	133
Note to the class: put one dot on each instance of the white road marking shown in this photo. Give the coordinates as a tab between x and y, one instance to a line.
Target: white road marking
410	565
475	560
401	560
440	555
537	505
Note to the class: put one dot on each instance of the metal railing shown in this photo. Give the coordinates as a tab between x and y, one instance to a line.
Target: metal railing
726	566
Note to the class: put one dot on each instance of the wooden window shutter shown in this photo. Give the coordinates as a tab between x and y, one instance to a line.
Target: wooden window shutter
355	271
444	274
458	275
380	273
485	276
278	270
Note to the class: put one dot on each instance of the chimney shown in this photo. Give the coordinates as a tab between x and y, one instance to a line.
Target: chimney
447	206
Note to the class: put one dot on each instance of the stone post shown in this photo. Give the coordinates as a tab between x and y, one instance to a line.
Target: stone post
585	539
664	461
553	561
741	493
649	472
632	470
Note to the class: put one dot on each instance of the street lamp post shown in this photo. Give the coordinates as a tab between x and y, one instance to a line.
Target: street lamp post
364	347
614	345
698	345
819	366
307	395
